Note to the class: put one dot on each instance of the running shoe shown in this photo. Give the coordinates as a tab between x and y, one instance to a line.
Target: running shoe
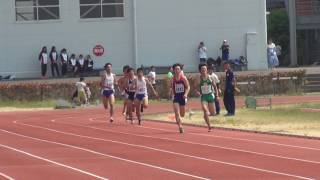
181	130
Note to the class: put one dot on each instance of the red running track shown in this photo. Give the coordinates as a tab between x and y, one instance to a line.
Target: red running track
81	144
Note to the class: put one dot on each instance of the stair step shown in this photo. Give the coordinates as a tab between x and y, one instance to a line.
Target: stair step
312	89
313	83
312	86
312	79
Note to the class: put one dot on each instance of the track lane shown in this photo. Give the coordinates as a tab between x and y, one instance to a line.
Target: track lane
207	150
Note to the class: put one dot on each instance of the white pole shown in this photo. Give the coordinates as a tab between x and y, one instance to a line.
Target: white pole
135	34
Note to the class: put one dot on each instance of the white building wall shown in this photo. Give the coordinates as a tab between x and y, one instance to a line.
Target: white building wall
170	31
25	39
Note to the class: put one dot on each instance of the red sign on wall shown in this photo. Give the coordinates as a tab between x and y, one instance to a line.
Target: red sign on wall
98	50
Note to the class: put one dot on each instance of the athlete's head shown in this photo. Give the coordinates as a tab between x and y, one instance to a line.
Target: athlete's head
130	72
125	68
226	66
140	72
81	79
203	69
177	68
108	67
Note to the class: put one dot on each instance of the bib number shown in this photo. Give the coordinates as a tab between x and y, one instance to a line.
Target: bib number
109	84
179	88
141	90
132	88
205	89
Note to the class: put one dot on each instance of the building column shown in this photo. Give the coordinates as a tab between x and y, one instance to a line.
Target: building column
293	32
135	34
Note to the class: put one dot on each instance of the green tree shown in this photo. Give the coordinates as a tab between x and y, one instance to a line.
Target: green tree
278	31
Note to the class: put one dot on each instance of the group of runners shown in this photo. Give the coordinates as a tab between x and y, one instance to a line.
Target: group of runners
134	87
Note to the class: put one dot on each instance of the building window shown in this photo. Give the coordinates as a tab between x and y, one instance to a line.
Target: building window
101	9
37	10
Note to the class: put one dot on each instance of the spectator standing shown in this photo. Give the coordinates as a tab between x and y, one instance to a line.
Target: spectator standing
73	64
89	63
273	60
152	76
202	51
81	64
225	48
54	61
64	61
43	58
230	83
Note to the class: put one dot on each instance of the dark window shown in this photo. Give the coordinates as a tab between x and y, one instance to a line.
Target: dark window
101	9
37	10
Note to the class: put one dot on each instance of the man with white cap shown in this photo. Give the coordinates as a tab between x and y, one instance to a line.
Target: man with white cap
225	48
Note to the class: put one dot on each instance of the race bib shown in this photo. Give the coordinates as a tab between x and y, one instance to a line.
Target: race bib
132	88
205	89
141	90
179	88
109	83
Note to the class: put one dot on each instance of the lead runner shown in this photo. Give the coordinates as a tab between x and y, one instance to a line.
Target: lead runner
179	90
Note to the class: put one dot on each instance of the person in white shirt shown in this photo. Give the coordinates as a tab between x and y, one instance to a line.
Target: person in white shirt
43	58
73	64
108	81
80	63
54	61
141	93
81	89
215	78
152	76
202	51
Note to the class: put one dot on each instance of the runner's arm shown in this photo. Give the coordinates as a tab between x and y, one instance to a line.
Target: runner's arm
186	82
153	90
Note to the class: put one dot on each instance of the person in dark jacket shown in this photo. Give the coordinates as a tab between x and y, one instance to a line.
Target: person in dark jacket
230	84
54	61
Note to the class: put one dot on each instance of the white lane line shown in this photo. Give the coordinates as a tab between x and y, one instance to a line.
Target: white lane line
50	161
232	138
6	176
104	155
202	144
238	139
257	141
160	150
222	137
